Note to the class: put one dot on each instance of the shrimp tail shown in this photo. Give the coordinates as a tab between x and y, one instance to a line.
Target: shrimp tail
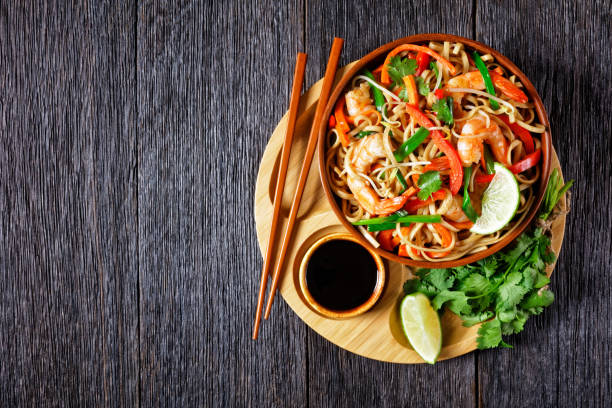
390	205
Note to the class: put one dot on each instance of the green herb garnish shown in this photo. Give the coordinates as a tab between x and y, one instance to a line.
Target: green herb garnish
422	86
429	182
444	110
502	290
434	67
400	67
507	286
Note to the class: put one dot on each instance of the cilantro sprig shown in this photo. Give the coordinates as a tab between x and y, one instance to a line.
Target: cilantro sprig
422	86
501	291
428	182
444	110
400	67
507	286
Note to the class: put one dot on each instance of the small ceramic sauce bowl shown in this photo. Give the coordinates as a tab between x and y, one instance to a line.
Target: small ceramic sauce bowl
341	278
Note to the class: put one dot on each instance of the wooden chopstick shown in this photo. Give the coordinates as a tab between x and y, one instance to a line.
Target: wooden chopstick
328	81
298	79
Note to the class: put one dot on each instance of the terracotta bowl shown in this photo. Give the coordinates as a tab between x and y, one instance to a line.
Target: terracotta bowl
375	59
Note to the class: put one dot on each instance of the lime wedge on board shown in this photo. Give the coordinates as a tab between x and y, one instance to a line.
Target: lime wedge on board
421	325
499	202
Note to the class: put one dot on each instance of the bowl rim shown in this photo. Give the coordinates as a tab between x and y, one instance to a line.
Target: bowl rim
546	141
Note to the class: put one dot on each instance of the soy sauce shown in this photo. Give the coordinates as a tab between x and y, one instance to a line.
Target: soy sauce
341	275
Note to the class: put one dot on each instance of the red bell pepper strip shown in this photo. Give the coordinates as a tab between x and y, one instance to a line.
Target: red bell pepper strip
384	75
414	204
528	162
456	175
332	121
342	126
385	239
521	132
440	94
422	62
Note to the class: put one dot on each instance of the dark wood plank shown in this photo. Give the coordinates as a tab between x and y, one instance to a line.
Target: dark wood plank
68	277
563	356
213	81
336	377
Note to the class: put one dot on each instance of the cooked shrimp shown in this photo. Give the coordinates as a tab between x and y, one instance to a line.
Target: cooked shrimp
370	201
469	146
455	211
358	100
367	151
474	80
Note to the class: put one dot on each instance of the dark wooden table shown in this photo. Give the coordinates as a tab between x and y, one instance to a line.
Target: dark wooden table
130	138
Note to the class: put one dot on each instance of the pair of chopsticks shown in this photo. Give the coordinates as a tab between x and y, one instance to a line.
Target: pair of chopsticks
298	77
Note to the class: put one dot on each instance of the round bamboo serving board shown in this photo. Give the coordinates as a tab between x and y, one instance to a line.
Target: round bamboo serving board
376	334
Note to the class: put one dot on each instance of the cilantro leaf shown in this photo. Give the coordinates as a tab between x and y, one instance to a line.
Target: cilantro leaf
489	334
444	110
458	302
429	182
470	320
422	86
400	67
511	293
506	316
403	95
434	67
541	280
441	279
461	272
475	284
489	265
516	325
537	300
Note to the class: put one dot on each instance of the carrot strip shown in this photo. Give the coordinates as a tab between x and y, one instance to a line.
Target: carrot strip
411	90
341	126
461	225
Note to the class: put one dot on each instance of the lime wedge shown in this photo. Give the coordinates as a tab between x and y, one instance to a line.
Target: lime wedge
499	202
421	325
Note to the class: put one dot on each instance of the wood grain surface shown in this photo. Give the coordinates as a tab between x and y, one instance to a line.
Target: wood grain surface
130	139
